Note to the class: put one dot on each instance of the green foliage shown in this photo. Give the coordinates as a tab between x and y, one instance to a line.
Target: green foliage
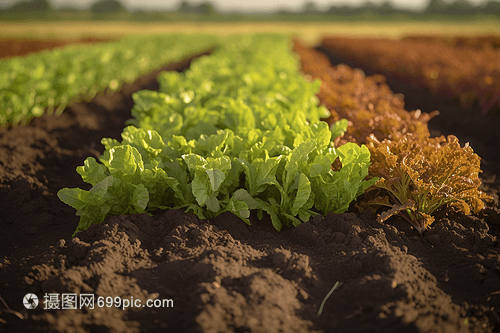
31	6
239	131
107	6
51	80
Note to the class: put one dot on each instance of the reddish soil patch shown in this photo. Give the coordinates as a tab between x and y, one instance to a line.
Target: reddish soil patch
478	42
225	276
21	47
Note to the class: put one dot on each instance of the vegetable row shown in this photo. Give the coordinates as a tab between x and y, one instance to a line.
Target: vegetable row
239	131
48	81
466	67
417	174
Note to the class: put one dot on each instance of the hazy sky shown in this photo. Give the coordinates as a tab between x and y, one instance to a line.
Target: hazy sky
241	5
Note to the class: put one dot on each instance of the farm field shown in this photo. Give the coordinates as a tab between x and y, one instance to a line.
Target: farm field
310	32
225	276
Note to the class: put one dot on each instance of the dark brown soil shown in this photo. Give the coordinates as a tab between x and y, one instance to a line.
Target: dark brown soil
225	276
21	47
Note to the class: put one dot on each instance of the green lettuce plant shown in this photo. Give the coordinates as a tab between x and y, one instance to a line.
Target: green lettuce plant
240	136
51	80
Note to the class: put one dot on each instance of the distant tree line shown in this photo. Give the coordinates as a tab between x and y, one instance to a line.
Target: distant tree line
206	8
31	6
434	7
100	6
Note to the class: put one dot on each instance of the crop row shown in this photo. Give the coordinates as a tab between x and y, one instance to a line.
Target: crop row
466	68
417	174
239	131
50	80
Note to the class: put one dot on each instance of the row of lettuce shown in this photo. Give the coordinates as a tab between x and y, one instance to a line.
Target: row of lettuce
464	67
49	81
239	131
418	175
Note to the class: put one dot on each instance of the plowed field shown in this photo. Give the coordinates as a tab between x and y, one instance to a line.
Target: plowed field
222	275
